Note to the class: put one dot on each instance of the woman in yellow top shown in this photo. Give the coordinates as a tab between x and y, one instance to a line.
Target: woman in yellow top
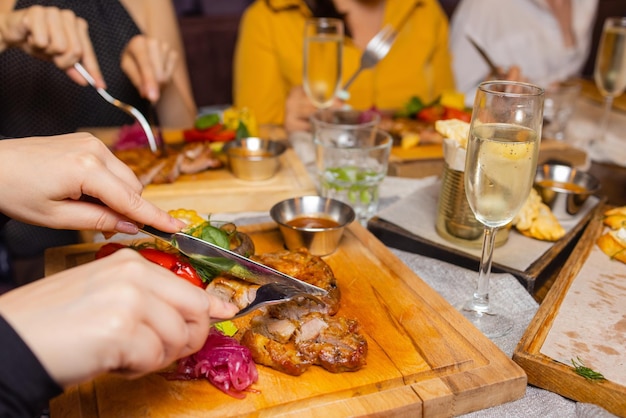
268	56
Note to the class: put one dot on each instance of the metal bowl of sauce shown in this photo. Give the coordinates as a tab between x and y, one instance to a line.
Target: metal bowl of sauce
313	222
564	189
254	159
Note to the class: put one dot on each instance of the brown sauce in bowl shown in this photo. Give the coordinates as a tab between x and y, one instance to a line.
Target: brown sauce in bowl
312	222
561	185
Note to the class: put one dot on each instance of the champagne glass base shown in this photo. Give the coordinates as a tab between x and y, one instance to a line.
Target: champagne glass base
491	324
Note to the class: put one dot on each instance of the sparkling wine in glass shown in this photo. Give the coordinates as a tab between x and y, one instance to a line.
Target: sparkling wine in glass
323	46
610	68
500	167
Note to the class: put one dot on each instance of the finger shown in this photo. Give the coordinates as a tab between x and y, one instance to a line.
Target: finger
170	65
35	22
89	59
74	50
140	354
150	86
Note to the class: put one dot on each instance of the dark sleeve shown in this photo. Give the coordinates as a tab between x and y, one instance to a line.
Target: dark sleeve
25	386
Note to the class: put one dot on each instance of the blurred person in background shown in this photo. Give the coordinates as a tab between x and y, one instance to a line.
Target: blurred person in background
139	52
268	62
540	41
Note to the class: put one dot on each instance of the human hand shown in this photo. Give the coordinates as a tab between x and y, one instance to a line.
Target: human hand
121	313
53	34
149	63
299	109
74	182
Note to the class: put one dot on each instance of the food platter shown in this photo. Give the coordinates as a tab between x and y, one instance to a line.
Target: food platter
424	358
547	335
414	230
219	191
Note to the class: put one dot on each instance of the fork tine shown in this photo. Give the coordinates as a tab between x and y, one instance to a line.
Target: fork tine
272	294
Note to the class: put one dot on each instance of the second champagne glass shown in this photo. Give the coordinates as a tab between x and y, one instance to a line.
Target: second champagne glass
323	46
500	167
610	67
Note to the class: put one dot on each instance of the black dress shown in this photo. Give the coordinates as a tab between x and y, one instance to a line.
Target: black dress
38	99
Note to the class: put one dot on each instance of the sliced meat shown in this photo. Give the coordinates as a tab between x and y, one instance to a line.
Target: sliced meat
170	171
279	356
198	157
332	342
237	292
309	268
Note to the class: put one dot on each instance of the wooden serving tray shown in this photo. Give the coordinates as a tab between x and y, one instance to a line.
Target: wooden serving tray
218	190
558	377
424	360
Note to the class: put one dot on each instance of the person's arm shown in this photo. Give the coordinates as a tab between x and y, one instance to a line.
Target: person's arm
156	62
121	314
54	182
52	34
25	385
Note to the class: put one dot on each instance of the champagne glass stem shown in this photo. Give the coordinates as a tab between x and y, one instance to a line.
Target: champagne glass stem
480	298
604	123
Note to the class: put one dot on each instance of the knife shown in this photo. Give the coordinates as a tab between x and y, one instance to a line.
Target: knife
227	261
492	66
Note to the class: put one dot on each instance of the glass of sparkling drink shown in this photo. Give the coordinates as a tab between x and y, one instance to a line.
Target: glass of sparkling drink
351	163
500	167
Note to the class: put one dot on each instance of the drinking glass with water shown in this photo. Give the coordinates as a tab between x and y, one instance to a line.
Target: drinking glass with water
351	164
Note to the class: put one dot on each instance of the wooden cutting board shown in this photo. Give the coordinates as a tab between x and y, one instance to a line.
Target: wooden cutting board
544	371
424	360
218	191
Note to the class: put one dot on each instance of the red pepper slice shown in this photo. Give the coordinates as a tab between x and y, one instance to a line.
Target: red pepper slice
452	113
431	114
172	262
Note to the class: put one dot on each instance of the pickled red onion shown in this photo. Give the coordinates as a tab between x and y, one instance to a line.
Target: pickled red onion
223	361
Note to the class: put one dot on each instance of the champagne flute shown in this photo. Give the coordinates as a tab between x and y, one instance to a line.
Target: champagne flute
500	167
323	46
610	68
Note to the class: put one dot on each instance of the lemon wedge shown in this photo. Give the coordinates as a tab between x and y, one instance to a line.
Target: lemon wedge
454	129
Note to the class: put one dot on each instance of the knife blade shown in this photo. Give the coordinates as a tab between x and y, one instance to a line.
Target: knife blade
492	66
227	261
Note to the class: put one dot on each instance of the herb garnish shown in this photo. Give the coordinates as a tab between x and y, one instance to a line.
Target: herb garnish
585	371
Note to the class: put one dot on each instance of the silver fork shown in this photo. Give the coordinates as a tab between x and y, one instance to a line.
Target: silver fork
131	110
273	294
376	49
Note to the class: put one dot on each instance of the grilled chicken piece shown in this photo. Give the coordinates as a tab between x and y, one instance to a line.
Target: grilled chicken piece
197	157
167	167
333	343
309	268
237	292
279	356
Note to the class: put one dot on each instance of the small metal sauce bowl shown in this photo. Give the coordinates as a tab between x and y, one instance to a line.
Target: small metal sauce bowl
564	189
254	159
318	240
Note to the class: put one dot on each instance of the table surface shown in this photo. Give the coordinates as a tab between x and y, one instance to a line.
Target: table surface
455	283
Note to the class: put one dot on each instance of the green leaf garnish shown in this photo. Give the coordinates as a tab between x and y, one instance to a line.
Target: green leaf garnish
227	328
586	372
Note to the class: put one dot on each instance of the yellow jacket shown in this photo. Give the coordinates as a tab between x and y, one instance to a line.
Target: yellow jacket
268	58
